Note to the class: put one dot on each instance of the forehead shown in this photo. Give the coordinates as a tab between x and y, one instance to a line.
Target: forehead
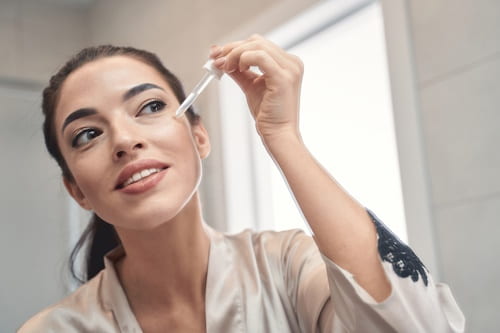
102	79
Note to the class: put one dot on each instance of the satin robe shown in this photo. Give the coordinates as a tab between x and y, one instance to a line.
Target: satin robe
268	282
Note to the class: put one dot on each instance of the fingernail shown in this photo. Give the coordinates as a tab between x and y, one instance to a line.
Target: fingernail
219	62
214	51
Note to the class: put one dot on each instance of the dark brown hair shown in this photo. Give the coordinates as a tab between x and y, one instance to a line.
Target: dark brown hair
99	236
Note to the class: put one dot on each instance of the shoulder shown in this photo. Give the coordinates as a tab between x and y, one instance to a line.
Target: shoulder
267	238
279	246
71	312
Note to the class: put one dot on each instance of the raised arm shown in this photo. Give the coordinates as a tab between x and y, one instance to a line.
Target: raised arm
342	228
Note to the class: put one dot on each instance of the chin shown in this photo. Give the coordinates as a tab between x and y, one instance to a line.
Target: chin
145	222
152	216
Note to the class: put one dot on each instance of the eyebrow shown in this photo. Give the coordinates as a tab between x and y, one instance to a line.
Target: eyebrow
138	89
80	113
85	112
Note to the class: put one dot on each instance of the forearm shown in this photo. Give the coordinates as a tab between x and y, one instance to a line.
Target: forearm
342	228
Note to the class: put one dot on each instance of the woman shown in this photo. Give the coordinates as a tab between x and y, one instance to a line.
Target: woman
110	125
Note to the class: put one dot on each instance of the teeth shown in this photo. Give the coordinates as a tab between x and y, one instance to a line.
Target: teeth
139	175
145	173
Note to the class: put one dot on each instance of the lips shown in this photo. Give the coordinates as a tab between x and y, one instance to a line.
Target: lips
138	171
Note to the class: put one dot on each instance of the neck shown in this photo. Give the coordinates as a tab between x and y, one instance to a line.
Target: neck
167	265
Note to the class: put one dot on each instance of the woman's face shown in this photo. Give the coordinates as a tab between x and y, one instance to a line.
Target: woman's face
132	161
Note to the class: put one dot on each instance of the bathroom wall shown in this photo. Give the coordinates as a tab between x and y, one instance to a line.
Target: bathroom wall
457	66
35	38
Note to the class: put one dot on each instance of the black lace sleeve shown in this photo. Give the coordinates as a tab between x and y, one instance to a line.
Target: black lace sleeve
391	249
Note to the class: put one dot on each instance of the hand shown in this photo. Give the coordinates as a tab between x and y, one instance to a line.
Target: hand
273	96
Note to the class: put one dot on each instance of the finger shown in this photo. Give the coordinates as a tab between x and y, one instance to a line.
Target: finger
219	54
227	57
214	51
226	48
261	59
233	57
244	79
281	57
217	51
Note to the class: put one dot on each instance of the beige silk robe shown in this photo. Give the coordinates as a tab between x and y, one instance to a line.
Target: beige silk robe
273	282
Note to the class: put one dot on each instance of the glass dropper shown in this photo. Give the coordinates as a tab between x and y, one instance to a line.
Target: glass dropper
212	72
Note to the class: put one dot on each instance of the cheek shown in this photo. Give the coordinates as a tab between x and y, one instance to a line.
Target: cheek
173	136
178	140
89	173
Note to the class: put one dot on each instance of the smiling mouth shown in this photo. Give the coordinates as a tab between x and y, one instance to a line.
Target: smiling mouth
140	175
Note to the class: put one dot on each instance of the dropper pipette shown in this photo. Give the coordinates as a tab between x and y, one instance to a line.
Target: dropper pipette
212	72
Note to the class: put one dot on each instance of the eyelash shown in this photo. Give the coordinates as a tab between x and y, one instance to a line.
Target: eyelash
74	142
157	104
160	105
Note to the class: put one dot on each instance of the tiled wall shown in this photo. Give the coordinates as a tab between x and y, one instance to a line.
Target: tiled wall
457	52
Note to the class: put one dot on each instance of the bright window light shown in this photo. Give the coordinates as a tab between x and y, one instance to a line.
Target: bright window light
346	121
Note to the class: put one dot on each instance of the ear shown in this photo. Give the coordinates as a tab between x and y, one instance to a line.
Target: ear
76	193
201	140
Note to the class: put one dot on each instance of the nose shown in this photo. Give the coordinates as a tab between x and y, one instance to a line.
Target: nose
126	143
122	152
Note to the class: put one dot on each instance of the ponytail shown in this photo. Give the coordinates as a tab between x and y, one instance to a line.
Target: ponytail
99	237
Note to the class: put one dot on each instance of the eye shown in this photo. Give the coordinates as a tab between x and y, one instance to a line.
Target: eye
85	136
152	107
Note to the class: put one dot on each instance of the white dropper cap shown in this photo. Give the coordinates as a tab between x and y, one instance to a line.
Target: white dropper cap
212	72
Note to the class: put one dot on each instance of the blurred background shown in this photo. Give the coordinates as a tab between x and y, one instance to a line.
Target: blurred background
400	102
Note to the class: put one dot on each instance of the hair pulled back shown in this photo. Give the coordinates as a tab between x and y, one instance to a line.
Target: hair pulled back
99	237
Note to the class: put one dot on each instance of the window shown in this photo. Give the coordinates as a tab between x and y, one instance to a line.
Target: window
346	121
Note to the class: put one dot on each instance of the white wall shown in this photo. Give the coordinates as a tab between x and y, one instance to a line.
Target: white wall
457	65
37	38
34	40
459	86
33	232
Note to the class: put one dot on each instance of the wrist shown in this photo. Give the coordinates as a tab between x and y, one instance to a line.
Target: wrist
285	139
